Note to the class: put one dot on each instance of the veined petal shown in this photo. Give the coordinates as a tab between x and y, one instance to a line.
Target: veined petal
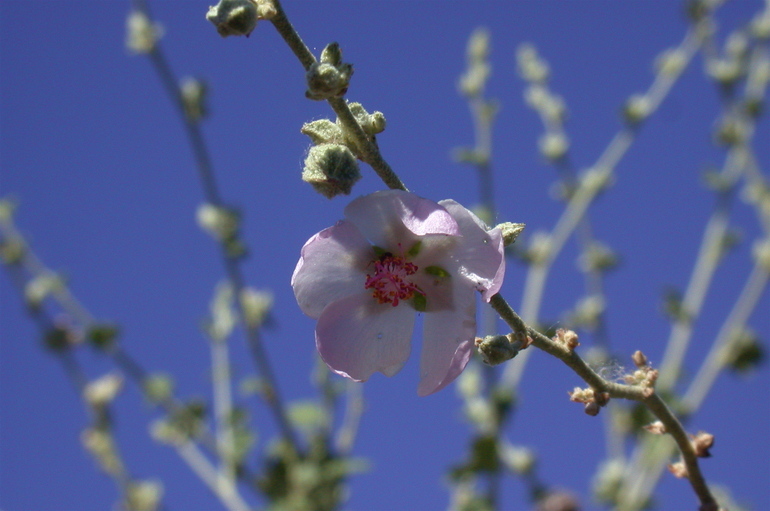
479	253
331	267
394	217
447	342
356	336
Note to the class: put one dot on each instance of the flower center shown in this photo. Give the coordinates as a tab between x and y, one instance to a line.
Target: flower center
390	281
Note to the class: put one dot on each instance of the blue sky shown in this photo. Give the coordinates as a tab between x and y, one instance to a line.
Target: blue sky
96	156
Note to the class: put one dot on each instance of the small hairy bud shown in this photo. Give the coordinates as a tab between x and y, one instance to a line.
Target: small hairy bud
496	349
372	124
330	77
568	338
725	71
701	443
143	496
678	469
592	408
520	460
510	231
234	17
656	428
760	25
761	253
40	287
331	169
640	359
141	33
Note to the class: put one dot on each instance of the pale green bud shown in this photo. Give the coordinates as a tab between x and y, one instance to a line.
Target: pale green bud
256	306
496	349
222	319
222	223
233	17
12	251
637	108
323	131
519	459
539	248
531	67
143	496
760	25
193	98
158	388
37	289
478	45
372	124
100	444
101	392
7	210
553	145
598	257
670	62
725	71
331	169
141	33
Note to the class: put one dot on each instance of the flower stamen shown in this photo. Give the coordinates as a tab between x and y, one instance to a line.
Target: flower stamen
390	282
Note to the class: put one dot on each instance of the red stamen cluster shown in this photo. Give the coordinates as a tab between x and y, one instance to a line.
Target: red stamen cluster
389	281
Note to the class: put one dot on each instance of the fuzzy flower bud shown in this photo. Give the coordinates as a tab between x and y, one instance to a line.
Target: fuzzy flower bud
372	124
640	359
520	460
330	77
101	446
760	25
496	349
679	469
510	231
725	71
332	169
143	496
233	17
701	443
568	338
141	33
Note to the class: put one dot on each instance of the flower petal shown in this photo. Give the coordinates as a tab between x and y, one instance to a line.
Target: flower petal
447	342
393	217
331	267
479	253
356	336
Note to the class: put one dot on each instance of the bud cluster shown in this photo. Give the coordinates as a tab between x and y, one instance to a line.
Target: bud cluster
592	400
330	76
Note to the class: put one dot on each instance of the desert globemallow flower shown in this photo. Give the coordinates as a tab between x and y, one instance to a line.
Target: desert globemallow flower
395	254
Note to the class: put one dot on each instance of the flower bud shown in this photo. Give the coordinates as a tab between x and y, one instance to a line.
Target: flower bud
221	222
256	306
670	62
567	338
520	460
510	231
553	145
656	428
496	349
330	77
372	124
158	388
531	67
761	253
637	108
141	33
701	443
193	98
102	392
233	17
760	25
143	496
37	289
331	169
640	359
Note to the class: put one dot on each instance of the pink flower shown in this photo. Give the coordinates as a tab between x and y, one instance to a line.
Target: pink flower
394	254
